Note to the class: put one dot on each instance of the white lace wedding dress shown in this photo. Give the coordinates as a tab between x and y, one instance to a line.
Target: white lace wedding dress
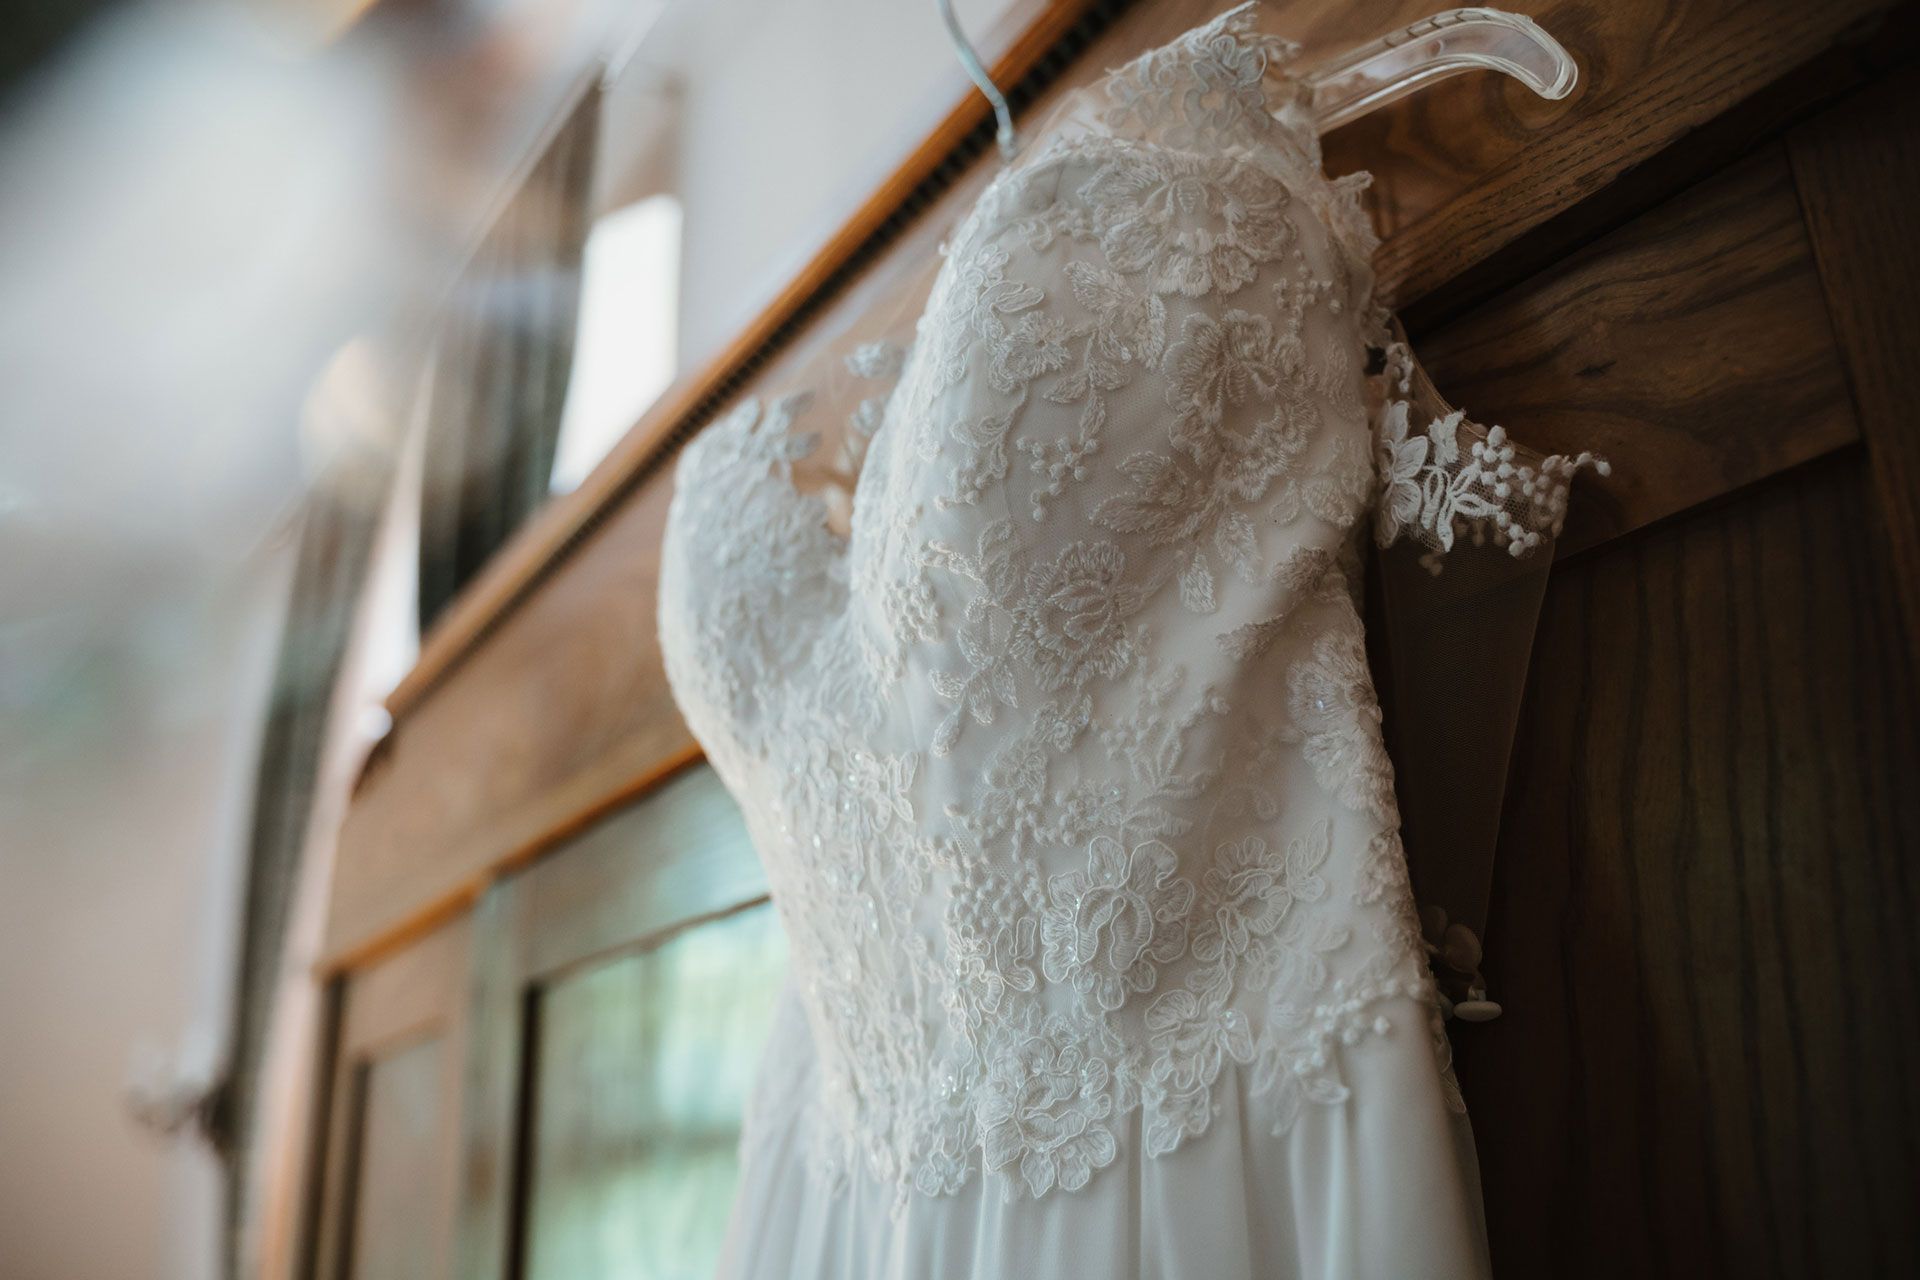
1065	763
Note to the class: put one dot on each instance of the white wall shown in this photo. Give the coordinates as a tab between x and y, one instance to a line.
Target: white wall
126	763
789	112
156	327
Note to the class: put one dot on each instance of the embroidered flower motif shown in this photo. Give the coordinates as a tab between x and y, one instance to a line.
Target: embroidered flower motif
983	457
1010	801
1383	882
949	1141
1195	224
1247	892
874	791
1108	926
908	612
749	454
1194	1036
1175	502
1036	344
1206	88
880	361
990	964
1216	366
1127	327
971	302
1336	720
1338	490
985	635
1428	489
1398	460
966	1011
1041	1107
876	360
1072	624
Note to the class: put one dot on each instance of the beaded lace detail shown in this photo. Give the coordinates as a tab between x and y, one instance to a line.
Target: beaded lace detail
1066	763
1455	476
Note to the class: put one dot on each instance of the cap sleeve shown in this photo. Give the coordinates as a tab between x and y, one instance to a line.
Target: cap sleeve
1444	478
1465	519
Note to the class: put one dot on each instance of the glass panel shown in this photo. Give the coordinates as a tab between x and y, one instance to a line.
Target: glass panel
625	345
397	1208
643	1065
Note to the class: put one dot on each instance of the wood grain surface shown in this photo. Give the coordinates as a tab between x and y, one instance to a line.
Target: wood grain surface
1858	171
404	1017
1701	929
1462	169
680	855
1691	346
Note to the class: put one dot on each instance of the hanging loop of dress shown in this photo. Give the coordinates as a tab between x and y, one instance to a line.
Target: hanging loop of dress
970	60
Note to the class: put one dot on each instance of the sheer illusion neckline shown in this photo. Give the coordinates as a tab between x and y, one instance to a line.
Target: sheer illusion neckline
1288	147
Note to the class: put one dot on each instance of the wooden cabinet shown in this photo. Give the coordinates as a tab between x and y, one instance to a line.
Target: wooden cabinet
1703	266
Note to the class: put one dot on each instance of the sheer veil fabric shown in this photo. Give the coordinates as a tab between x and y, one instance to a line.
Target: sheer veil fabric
1058	738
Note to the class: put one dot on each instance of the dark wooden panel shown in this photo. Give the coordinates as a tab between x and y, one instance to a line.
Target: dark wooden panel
1654	73
682	853
1462	170
490	1135
555	730
1702	916
1691	346
1859	173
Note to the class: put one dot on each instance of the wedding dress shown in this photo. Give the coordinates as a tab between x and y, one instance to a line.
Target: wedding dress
1064	760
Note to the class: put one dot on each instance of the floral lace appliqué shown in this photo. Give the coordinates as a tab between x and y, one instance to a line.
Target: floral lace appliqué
1456	476
1064	756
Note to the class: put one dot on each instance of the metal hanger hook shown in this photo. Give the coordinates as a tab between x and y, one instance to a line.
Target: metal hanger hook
963	49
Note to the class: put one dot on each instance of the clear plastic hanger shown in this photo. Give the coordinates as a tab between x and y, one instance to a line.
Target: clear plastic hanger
1446	44
1375	74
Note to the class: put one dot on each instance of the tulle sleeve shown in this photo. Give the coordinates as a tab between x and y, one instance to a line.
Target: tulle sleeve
1465	520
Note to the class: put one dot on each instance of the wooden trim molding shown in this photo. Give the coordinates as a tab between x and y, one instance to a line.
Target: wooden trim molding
433	914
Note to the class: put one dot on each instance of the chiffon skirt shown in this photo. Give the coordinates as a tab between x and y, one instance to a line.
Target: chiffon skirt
1383	1185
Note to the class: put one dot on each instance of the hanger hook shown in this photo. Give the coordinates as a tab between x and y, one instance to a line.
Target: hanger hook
963	49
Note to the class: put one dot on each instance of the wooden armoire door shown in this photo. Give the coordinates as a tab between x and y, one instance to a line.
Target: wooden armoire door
1703	906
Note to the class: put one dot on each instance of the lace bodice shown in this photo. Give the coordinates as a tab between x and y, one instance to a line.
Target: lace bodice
1065	762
